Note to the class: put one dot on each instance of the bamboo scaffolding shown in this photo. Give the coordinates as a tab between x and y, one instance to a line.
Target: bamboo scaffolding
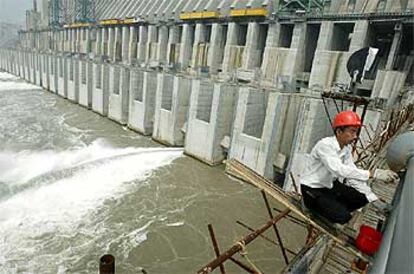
240	245
244	173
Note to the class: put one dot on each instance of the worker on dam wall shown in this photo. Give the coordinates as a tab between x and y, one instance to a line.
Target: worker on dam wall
332	185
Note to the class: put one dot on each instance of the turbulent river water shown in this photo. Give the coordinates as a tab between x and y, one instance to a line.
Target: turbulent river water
75	185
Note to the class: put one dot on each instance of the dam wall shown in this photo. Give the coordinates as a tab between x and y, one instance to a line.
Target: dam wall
224	79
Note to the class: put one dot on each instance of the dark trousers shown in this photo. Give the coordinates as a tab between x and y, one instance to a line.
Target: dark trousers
335	204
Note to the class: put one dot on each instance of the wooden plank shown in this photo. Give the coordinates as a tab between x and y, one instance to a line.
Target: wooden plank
238	170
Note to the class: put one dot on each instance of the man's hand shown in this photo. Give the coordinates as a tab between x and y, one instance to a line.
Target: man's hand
385	175
382	206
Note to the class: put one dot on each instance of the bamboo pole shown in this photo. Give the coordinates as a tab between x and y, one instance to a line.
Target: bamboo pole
279	238
265	237
215	246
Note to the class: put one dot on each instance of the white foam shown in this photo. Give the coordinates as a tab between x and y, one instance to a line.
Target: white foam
11	82
7	76
20	167
62	205
176	224
17	86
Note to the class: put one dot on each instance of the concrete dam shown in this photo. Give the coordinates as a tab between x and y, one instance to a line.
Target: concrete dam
256	81
223	79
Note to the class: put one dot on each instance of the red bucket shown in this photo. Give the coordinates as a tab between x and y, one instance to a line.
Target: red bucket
368	240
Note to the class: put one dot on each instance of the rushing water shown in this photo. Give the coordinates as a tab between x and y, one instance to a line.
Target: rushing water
75	185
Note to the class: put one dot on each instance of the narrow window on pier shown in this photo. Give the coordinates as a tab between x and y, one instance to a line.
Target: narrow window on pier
61	67
205	101
207	34
286	33
167	92
341	38
117	75
157	38
98	75
191	37
180	34
71	69
312	34
255	113
223	39
137	83
263	30
242	35
83	73
52	66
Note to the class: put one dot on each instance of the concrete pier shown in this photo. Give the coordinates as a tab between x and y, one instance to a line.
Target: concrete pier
62	79
200	46
45	71
186	47
133	41
30	67
99	42
117	50
73	79
14	62
388	85
284	57
53	79
118	94
251	52
22	68
216	50
31	64
104	46
272	55
38	70
26	66
162	45
233	51
100	88
78	34
152	46
171	106
125	44
142	101
263	129
142	44
210	119
173	47
332	53
85	83
111	43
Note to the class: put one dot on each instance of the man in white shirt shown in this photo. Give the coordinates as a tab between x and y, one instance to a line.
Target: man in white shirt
332	186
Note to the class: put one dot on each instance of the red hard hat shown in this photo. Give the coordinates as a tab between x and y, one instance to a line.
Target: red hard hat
347	118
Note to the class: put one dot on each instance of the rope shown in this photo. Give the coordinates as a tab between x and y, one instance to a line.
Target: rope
243	253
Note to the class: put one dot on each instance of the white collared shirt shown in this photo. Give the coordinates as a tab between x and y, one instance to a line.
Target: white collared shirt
328	162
